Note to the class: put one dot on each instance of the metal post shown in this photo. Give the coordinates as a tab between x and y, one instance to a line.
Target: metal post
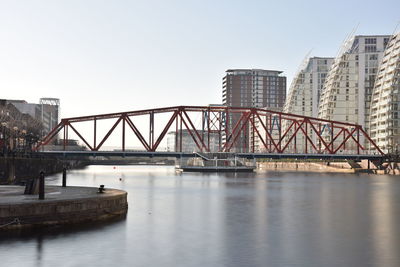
208	129
203	115
319	139
253	133
344	144
94	134
123	133
358	140
176	133
64	177
306	139
219	131
227	125
295	138
66	133
151	133
65	137
180	133
245	138
41	185
280	132
332	146
266	133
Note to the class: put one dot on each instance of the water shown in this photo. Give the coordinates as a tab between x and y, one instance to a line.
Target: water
263	219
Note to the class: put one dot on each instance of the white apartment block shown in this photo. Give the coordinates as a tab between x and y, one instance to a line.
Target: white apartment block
347	92
305	89
304	92
385	105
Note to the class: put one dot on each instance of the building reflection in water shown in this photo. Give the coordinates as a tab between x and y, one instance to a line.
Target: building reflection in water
385	220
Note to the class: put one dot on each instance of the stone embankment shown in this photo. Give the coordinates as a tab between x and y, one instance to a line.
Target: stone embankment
17	169
341	167
62	205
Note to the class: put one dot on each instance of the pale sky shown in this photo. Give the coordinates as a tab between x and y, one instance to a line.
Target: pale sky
110	56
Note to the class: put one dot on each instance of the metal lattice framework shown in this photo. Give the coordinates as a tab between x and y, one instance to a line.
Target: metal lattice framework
252	129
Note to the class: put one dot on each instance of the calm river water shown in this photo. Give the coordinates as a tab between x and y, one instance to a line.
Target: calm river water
260	219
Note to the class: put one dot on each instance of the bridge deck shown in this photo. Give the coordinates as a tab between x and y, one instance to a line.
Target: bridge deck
68	154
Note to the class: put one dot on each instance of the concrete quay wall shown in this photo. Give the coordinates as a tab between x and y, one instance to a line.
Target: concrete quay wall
17	169
69	205
305	166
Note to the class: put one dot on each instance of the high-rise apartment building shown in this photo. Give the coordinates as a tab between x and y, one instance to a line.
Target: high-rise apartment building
304	93
306	87
347	92
385	105
252	88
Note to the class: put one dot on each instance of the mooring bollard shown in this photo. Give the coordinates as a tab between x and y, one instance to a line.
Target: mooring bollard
41	185
101	188
64	178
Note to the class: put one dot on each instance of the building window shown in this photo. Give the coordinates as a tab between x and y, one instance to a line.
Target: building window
370	40
370	48
373	57
385	41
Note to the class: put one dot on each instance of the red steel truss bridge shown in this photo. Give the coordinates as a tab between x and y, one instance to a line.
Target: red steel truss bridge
247	132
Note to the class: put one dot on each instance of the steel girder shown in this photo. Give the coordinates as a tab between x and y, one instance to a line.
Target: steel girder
266	131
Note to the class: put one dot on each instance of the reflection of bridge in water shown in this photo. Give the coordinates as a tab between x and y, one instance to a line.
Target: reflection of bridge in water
267	134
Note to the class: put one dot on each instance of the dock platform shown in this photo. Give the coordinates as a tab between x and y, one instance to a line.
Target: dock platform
62	205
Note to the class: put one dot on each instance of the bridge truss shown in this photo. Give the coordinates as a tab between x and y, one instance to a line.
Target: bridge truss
219	129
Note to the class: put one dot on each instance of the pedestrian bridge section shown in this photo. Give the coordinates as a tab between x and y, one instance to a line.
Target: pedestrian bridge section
254	131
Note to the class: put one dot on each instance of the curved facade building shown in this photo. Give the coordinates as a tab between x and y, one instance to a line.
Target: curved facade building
385	104
304	92
347	92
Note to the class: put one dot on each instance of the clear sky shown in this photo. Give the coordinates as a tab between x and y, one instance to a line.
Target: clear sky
109	56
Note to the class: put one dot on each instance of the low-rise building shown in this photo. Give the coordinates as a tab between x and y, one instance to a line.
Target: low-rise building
47	111
174	141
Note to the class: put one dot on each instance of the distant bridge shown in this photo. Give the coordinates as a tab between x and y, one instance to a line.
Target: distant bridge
259	133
